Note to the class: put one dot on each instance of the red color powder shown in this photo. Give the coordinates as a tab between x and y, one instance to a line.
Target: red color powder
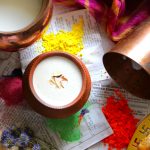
122	121
11	90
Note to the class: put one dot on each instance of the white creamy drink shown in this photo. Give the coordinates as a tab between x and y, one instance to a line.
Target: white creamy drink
18	14
57	81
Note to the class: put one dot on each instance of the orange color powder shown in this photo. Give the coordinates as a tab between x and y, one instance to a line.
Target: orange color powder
122	121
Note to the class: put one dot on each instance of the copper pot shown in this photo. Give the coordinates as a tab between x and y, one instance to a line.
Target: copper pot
13	41
52	111
128	63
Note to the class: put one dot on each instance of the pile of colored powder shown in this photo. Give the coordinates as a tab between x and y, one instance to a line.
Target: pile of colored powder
69	128
122	121
66	41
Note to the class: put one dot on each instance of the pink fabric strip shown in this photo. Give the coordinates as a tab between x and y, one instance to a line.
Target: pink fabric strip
118	24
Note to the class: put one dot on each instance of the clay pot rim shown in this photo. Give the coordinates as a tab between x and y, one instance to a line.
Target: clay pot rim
44	9
40	58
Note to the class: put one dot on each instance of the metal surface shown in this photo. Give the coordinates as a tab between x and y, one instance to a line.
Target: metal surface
13	41
128	63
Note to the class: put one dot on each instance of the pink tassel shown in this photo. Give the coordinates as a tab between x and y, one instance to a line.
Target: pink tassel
11	90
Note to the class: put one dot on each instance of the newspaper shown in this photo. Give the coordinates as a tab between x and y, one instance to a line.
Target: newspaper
94	127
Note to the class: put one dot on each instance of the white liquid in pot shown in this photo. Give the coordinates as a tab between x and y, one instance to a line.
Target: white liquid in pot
50	94
18	14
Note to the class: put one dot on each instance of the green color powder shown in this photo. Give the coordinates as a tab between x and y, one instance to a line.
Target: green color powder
68	128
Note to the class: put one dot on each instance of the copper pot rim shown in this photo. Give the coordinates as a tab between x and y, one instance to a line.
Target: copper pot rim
128	57
38	18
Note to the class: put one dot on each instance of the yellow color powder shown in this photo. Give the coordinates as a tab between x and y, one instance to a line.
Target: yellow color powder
71	41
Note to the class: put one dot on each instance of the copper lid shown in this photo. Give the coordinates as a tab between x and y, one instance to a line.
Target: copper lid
13	41
52	111
128	63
